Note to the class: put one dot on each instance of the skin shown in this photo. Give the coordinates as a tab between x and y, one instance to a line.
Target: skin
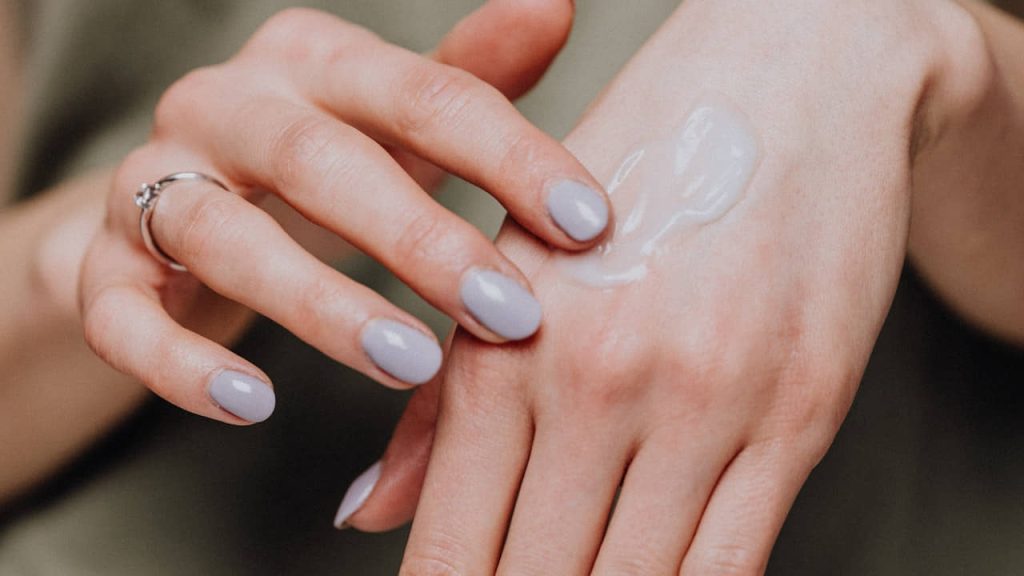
746	376
968	240
128	306
280	119
710	390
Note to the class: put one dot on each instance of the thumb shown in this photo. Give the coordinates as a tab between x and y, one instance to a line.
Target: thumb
386	496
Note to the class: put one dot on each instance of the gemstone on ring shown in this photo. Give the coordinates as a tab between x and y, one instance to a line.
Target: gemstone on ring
146	198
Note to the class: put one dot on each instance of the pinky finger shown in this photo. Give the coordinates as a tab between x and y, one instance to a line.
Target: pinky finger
746	511
177	364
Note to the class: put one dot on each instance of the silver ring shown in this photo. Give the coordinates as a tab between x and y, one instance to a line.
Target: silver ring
146	199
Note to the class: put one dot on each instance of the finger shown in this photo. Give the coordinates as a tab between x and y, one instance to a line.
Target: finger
459	122
343	181
242	253
391	500
479	453
746	511
508	44
564	501
126	324
661	502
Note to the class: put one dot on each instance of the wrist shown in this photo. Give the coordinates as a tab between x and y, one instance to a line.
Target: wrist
961	79
784	61
966	239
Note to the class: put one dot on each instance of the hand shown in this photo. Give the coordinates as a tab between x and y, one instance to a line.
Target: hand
709	389
306	112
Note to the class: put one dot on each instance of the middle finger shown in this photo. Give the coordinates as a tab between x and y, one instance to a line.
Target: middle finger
662	499
461	123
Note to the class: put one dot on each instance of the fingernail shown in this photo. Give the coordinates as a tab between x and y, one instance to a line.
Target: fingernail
501	304
243	395
578	210
356	495
402	351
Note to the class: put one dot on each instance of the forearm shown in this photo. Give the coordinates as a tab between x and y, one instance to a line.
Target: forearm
967	235
56	397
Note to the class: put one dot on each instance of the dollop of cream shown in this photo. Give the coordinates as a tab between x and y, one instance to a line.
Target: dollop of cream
688	178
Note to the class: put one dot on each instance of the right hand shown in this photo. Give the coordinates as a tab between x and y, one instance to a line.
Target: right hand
308	111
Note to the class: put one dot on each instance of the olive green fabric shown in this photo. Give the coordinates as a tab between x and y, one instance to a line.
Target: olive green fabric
926	477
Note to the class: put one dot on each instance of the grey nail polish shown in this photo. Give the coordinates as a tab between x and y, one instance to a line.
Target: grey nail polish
578	210
402	351
501	304
245	396
356	495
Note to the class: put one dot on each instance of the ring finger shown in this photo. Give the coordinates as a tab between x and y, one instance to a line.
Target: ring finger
564	500
663	496
242	253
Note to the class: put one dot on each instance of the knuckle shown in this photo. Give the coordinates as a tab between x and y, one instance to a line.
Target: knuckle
601	374
639	562
304	35
301	149
210	224
180	103
294	19
532	562
313	311
476	382
426	239
435	96
728	560
433	566
522	151
287	27
438	556
815	397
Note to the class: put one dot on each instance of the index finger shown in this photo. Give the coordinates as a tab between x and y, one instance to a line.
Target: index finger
459	122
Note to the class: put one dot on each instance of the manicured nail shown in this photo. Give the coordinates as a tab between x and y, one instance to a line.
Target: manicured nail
501	304
578	210
402	351
245	396
356	495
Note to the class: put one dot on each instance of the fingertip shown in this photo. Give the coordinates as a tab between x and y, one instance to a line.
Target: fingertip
357	494
385	496
503	306
408	355
580	211
242	395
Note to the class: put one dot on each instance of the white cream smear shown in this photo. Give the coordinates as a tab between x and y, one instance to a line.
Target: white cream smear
668	185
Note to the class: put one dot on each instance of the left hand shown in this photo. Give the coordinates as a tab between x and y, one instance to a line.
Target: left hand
709	390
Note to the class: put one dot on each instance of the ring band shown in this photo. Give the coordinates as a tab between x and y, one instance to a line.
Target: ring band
146	199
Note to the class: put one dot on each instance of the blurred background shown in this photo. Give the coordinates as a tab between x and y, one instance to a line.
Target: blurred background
926	476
